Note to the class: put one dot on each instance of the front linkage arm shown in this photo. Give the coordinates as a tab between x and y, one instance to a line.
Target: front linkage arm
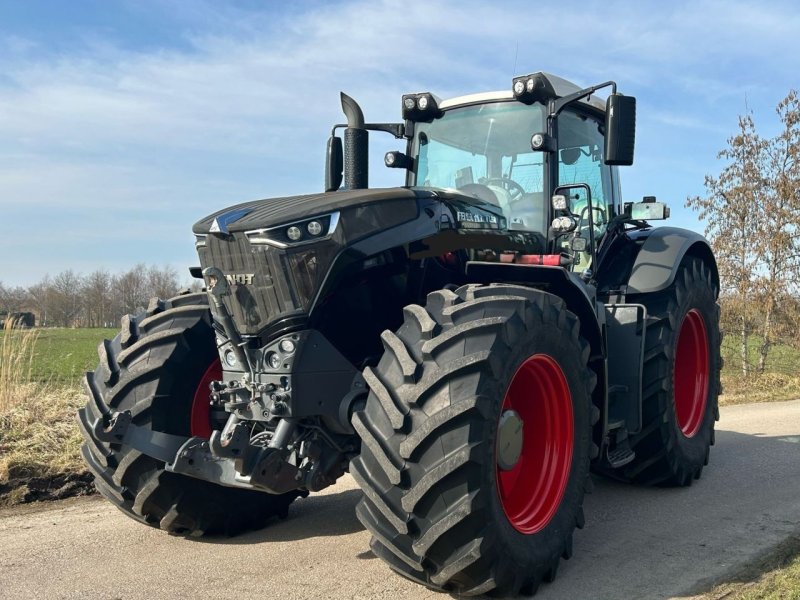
237	464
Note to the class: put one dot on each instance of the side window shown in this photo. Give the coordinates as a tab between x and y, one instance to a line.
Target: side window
581	161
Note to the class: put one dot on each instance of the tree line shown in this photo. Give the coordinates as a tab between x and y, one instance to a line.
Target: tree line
752	214
99	299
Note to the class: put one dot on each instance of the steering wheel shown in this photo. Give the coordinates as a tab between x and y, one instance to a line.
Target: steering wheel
515	190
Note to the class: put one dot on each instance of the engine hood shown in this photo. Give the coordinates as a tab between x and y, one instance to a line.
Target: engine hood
276	211
258	214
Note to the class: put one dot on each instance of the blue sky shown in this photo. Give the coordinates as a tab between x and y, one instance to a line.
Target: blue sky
122	123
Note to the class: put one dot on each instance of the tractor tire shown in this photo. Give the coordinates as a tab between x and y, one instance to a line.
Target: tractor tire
159	367
457	494
680	382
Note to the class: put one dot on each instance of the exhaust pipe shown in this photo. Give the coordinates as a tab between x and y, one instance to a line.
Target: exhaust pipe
356	146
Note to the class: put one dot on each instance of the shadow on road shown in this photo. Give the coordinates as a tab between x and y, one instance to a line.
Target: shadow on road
642	542
639	542
315	516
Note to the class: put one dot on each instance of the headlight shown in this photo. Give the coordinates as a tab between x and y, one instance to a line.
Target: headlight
296	233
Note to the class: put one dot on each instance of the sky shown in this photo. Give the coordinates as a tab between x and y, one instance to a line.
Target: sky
122	123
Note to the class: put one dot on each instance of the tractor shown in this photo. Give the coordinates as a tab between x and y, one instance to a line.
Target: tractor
469	346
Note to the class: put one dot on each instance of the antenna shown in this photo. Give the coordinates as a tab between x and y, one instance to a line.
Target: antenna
516	52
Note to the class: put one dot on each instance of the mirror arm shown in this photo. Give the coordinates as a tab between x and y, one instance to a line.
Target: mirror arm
396	129
556	106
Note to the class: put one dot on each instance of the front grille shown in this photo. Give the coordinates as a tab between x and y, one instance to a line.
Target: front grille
270	296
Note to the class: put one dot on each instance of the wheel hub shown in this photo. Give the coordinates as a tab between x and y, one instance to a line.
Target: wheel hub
509	440
534	444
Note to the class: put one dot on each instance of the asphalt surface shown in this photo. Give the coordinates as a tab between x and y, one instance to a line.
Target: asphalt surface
638	542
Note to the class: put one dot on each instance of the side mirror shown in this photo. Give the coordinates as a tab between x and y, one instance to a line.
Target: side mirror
334	164
649	210
620	129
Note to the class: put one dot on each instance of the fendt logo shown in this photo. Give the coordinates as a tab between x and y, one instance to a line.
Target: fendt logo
240	278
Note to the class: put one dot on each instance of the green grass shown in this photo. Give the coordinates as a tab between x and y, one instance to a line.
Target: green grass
782	358
62	356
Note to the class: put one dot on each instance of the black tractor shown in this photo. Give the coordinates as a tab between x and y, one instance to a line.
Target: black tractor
468	346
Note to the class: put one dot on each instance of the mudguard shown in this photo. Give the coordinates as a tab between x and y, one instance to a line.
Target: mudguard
658	260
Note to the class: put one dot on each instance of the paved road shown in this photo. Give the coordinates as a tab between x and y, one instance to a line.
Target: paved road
638	543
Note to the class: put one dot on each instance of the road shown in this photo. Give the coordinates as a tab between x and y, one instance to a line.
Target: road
638	542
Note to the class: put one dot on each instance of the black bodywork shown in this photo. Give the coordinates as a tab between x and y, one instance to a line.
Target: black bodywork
302	288
390	248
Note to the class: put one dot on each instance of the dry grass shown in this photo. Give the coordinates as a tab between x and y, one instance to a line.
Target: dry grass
38	436
16	363
775	576
767	387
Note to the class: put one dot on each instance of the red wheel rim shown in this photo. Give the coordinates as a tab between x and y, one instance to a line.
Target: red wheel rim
201	408
690	376
531	491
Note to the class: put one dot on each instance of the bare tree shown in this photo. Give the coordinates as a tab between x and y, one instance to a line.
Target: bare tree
778	245
13	299
41	296
66	299
733	224
162	282
131	291
97	299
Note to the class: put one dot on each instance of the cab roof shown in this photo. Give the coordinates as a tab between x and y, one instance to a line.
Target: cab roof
561	86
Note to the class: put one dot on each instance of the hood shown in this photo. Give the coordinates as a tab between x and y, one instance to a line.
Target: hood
259	214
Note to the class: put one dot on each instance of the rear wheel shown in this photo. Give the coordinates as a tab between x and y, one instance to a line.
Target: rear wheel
159	368
476	439
680	380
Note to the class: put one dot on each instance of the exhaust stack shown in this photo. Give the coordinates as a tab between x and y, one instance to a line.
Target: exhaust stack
356	146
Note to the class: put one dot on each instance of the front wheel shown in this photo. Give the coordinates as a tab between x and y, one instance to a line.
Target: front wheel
159	368
476	439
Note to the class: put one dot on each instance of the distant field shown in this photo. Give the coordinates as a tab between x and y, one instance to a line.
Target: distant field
63	355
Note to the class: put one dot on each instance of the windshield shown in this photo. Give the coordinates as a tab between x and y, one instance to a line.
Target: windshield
485	151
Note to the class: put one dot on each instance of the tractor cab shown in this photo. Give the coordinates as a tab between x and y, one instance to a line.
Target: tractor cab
544	154
517	148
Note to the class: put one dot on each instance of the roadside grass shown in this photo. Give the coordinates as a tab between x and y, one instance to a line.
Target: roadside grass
775	576
39	393
780	381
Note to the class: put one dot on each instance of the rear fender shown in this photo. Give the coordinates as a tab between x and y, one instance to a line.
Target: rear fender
660	256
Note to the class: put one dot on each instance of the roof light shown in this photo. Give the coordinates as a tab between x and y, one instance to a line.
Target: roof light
533	88
421	107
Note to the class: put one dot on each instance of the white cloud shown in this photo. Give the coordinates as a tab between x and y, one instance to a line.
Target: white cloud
242	105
